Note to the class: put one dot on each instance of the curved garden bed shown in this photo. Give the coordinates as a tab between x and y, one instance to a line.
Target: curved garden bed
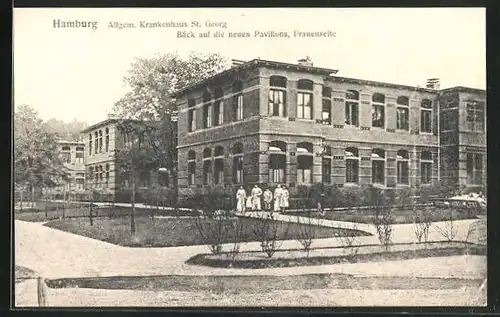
337	255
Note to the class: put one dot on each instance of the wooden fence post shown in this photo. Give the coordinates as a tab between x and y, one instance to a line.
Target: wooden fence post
42	295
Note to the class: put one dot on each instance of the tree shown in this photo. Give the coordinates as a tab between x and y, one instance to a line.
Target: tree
36	158
66	130
149	110
135	158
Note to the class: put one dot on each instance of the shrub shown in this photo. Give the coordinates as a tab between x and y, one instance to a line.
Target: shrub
383	223
307	230
422	224
448	230
213	231
266	230
353	196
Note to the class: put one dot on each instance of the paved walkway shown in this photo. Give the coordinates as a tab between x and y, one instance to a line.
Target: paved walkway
54	253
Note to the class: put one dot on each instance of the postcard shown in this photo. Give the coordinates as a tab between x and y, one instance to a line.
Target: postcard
249	157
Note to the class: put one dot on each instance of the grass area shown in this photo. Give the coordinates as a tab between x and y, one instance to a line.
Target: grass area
166	232
21	273
260	283
400	215
82	211
293	258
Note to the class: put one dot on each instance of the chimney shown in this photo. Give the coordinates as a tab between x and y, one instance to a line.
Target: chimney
433	83
237	62
305	61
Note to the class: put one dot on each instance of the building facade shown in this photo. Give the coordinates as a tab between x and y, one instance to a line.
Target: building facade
72	155
269	123
104	173
101	140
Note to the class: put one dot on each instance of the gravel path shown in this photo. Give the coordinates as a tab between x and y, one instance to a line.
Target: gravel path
332	298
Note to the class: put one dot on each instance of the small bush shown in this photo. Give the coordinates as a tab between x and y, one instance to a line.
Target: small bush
422	224
307	230
448	230
266	231
383	223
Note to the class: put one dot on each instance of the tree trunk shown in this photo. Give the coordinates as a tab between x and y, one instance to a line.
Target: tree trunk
21	200
91	200
132	211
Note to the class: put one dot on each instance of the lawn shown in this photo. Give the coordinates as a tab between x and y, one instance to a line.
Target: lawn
167	232
400	215
82	211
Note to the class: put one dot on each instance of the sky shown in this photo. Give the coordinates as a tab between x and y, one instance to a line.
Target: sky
68	73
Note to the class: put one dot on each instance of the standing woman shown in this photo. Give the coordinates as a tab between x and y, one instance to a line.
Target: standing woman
285	196
268	198
277	198
241	196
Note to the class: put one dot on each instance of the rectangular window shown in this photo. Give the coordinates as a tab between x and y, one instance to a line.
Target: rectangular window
426	120
378	172
107	143
207	172
90	147
448	120
402	120
219	171
475	116
277	103
238	169
304	105
326	114
426	172
352	171
192	120
304	169
96	145
351	113
277	164
474	169
191	172
100	142
79	157
327	170
207	116
378	116
403	172
238	107
66	157
219	113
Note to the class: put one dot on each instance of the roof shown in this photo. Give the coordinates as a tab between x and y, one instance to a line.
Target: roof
380	84
254	64
99	124
464	89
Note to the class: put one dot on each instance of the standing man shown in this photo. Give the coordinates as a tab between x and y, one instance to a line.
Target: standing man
285	196
268	198
256	193
277	198
241	195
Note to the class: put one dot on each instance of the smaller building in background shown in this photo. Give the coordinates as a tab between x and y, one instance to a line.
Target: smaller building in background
72	154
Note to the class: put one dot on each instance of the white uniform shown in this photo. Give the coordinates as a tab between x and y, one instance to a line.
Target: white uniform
240	200
285	195
268	198
256	193
277	198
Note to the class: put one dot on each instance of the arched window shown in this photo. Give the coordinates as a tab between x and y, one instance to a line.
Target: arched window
107	140
352	165
304	162
96	141
238	163
426	116
402	159
191	115
207	166
207	110
277	96
107	176
100	141
326	112
90	144
237	100
352	108
378	110
219	165
378	166
305	99
402	113
426	167
219	106
327	164
277	162
191	167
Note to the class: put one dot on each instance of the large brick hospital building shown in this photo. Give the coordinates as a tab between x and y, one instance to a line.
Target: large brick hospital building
265	122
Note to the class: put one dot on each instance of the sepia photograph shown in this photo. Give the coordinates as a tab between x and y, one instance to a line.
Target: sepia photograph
249	157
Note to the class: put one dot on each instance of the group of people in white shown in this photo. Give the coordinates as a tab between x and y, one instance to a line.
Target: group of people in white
277	201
